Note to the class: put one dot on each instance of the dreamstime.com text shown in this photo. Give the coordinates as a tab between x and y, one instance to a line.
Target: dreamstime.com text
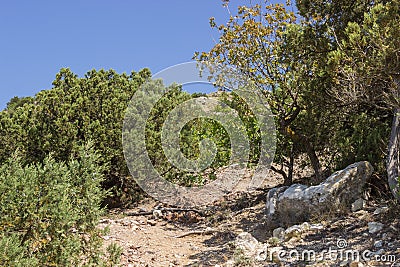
340	253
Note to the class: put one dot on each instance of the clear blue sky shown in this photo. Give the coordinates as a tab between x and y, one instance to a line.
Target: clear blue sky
40	37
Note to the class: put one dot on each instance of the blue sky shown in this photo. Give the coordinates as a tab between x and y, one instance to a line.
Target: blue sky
40	37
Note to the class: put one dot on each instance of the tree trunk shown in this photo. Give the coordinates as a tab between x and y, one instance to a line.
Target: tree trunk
289	179
303	142
314	160
392	164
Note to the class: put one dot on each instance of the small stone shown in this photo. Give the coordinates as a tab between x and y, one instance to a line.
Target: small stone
157	214
279	233
378	244
379	252
357	205
374	227
247	243
344	263
293	231
380	210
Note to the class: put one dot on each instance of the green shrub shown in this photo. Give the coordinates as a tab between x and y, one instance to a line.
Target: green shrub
193	133
362	136
50	211
73	111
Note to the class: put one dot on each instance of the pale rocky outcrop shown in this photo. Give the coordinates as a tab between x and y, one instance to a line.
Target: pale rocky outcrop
298	203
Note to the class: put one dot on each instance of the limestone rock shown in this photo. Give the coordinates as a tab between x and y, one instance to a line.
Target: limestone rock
246	242
157	214
380	210
298	202
293	231
378	244
357	205
374	227
250	246
279	233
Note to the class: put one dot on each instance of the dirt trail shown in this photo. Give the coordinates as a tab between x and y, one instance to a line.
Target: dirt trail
153	243
163	236
167	241
182	238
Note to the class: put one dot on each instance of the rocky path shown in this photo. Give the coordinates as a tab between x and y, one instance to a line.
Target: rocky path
149	241
233	233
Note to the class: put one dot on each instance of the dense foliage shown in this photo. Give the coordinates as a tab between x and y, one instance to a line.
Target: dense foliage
329	73
60	120
50	211
63	118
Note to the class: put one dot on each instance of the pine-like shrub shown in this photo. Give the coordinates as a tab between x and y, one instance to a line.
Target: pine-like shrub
50	211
